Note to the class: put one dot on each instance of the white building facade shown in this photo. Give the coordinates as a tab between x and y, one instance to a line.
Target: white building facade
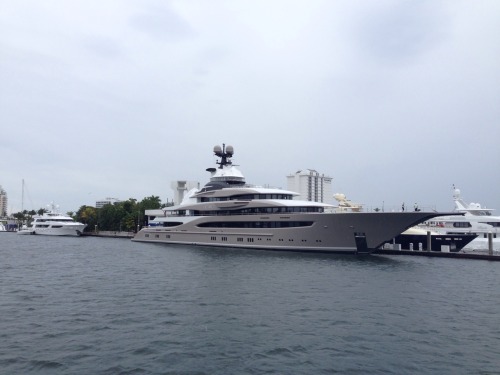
3	202
311	185
104	202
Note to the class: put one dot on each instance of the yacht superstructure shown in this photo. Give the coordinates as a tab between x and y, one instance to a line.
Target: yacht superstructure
475	219
228	212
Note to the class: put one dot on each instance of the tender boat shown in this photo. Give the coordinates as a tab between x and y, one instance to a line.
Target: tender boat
26	230
53	223
227	212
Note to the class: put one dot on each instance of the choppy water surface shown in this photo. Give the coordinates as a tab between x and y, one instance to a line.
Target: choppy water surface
111	306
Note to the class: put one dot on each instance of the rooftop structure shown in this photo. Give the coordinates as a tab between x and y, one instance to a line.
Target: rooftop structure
104	202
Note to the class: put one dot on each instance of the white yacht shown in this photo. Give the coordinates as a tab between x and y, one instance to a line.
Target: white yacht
53	223
228	212
476	220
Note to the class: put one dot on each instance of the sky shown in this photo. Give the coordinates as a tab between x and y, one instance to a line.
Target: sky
397	101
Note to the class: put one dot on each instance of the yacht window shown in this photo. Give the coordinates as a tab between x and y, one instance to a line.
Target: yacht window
462	224
495	224
171	223
256	224
261	210
247	197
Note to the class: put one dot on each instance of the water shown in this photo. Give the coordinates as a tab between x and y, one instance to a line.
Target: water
112	306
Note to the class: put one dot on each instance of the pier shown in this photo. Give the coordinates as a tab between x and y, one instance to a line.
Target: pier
109	234
439	254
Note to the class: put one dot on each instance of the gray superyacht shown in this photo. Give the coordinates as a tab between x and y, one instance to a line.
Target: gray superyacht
227	212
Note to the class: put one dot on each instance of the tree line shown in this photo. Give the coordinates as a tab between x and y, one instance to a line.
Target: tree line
126	216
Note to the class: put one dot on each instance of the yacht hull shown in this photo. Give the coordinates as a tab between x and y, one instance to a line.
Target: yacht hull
455	242
325	232
72	231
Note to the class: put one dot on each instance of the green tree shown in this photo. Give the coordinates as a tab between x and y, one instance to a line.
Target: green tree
150	203
129	222
87	215
123	216
110	216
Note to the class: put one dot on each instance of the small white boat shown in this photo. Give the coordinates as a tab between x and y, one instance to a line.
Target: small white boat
26	230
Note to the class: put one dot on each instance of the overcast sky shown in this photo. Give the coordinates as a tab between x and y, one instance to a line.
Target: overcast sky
396	100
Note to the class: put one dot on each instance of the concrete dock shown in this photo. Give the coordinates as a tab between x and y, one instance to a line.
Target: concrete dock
439	254
112	234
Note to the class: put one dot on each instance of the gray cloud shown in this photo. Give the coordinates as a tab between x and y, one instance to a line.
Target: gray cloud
396	101
162	23
398	32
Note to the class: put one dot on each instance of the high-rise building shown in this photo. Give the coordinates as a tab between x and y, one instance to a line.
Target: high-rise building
311	185
101	204
3	202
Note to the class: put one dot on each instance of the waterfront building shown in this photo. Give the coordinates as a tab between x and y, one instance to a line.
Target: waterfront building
311	185
3	202
101	204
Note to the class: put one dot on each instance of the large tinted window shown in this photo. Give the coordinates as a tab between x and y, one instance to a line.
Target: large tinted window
256	224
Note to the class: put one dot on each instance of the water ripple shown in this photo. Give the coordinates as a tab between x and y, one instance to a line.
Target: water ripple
86	305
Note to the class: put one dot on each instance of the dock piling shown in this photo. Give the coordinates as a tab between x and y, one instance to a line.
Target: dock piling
490	243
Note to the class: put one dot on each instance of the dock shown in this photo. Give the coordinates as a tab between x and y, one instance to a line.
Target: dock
109	234
440	254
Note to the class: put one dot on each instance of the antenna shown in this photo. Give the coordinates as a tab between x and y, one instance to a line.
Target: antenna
22	197
225	153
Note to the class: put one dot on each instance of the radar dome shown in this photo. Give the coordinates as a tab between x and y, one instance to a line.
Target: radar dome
339	196
217	150
230	150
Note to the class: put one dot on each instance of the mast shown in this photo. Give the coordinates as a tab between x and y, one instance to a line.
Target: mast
225	154
22	197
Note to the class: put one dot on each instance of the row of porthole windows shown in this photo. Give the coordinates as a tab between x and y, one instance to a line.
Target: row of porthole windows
239	239
250	239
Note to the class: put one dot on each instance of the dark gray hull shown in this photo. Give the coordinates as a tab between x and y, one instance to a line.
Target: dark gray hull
455	242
